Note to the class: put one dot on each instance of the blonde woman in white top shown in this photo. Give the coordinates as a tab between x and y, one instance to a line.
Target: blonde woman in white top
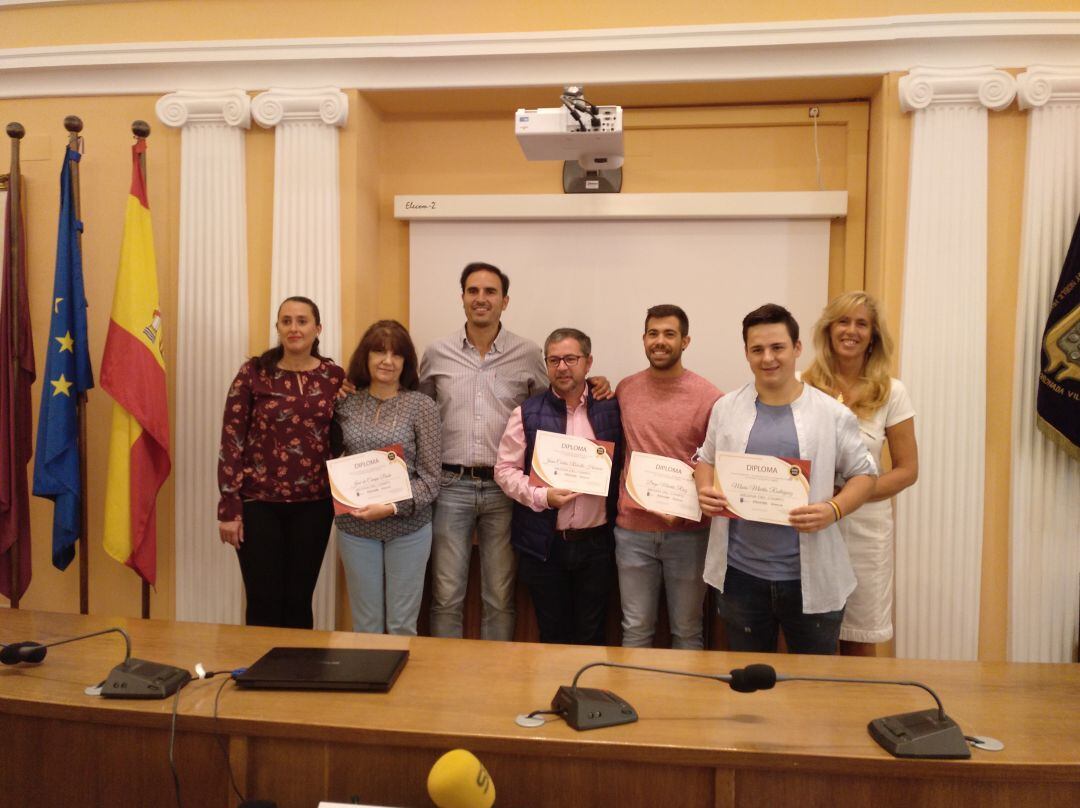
852	362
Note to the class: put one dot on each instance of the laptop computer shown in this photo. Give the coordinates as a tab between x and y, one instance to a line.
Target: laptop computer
362	669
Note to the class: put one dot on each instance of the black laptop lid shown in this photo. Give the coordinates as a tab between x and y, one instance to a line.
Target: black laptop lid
325	669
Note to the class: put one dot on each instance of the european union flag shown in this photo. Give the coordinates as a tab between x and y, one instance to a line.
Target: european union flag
67	375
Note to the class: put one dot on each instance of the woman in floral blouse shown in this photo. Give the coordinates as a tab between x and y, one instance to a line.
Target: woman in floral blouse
385	547
275	506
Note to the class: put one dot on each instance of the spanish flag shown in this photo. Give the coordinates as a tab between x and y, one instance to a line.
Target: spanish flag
133	373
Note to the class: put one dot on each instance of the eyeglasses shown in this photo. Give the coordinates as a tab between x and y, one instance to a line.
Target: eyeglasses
569	359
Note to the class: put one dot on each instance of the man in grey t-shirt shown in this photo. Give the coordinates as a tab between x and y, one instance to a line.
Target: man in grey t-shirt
796	576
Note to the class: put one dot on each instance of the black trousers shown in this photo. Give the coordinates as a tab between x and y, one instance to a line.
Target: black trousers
283	548
570	590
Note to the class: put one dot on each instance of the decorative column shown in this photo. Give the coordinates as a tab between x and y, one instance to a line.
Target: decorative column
943	359
212	336
307	234
1044	531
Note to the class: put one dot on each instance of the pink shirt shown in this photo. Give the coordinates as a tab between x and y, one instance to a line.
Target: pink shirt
663	416
586	510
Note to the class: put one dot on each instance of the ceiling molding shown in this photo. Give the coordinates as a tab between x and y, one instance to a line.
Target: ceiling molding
853	47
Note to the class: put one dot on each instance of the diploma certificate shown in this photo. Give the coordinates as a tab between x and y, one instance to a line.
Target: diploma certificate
663	485
369	478
574	464
761	488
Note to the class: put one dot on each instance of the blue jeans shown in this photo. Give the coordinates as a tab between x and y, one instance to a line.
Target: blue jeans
466	504
644	559
754	610
386	580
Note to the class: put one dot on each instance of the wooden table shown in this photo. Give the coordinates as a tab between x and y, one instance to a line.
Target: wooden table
697	743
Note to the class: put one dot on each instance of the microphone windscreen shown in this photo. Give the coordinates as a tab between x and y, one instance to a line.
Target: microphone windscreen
22	652
753	678
459	780
763	676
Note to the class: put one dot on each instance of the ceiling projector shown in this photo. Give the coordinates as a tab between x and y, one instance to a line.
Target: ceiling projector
591	135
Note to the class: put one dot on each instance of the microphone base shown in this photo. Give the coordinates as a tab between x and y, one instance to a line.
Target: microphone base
590	708
139	679
923	734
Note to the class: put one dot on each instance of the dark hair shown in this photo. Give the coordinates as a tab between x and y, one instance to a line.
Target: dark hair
480	266
385	334
767	315
268	360
559	334
668	310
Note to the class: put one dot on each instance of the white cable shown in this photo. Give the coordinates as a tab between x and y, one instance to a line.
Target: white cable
817	154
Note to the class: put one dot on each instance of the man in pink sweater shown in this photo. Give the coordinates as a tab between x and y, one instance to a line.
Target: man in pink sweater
665	411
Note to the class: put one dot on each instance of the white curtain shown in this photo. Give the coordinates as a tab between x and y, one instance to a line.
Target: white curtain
1044	528
212	336
943	359
307	234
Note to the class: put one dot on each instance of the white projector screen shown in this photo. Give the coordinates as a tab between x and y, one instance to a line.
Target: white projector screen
601	276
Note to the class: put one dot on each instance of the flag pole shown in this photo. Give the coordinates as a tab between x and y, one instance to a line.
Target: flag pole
74	125
141	130
16	132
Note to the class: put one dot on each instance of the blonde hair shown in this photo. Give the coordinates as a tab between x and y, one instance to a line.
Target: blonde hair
876	365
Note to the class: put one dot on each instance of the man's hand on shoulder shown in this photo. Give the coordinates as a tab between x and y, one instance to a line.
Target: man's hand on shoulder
601	388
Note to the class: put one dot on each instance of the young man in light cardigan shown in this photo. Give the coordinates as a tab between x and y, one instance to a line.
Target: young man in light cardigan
793	577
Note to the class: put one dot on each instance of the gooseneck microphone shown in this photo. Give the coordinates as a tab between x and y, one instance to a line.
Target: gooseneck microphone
781	677
716	677
131	679
921	734
590	708
34	652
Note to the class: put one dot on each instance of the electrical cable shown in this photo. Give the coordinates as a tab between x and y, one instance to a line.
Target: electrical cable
221	740
172	762
575	115
817	154
534	713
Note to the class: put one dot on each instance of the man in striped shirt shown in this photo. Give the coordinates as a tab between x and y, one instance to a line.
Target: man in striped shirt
477	376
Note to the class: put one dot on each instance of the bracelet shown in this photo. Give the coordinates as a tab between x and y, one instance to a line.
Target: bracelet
836	509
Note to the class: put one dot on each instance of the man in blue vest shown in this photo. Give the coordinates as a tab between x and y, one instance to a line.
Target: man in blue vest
563	539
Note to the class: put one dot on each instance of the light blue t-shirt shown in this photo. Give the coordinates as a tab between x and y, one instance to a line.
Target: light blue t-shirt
756	548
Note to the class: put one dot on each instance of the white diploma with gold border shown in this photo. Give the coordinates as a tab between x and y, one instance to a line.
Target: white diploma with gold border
762	488
663	485
369	478
571	463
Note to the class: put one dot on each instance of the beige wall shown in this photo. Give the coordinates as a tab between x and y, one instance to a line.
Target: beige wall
733	136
